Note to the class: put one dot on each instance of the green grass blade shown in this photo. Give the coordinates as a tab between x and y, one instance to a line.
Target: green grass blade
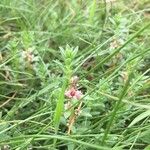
116	107
92	11
59	107
65	138
140	117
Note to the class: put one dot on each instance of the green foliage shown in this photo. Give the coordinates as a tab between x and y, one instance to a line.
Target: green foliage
44	43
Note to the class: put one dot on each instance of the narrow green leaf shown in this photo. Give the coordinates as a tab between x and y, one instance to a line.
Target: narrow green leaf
92	11
116	108
64	138
139	118
59	106
147	147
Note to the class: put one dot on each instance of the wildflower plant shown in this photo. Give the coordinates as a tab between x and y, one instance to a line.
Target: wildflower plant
68	55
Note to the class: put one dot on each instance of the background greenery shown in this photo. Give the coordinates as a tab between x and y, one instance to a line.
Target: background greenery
112	63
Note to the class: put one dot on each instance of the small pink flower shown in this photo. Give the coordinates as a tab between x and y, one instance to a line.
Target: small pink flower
73	93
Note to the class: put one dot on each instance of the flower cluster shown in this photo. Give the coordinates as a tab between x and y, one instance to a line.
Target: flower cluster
73	92
29	55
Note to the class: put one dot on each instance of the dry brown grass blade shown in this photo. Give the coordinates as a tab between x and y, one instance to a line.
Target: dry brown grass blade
11	98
